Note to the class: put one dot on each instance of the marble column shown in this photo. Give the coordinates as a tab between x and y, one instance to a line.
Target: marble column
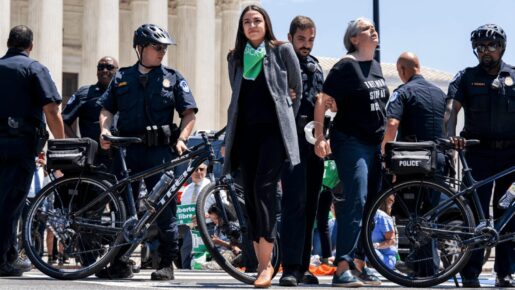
172	29
230	14
205	65
5	24
46	21
126	32
158	14
186	40
139	16
100	36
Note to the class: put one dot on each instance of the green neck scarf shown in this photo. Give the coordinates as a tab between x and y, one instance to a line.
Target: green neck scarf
253	61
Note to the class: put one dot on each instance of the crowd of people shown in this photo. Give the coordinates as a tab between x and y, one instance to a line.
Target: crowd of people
277	88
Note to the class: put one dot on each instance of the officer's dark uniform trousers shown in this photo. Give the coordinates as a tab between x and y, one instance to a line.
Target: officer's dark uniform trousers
139	158
16	168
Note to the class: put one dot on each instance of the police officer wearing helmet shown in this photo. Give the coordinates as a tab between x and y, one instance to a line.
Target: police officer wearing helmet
487	94
83	105
301	183
145	96
29	93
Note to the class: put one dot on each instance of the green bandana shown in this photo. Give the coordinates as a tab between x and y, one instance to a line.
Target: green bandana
253	61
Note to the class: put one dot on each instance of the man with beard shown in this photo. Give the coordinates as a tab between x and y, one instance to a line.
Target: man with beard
301	184
83	105
487	94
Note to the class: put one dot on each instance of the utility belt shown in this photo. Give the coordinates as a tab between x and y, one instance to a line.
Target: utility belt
156	135
25	128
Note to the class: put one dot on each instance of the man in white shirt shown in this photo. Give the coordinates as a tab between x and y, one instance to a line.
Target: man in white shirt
199	180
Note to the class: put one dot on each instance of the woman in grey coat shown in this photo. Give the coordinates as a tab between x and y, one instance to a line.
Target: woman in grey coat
261	132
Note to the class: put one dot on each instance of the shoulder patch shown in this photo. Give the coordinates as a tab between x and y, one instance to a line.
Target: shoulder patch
71	100
394	97
184	86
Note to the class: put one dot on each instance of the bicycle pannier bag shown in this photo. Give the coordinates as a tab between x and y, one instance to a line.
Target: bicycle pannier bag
406	158
71	154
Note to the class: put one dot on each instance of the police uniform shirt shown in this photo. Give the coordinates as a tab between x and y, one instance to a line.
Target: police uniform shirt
420	107
26	87
312	83
488	102
83	104
143	100
360	92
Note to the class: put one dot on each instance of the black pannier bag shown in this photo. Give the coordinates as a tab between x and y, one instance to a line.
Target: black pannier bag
71	154
406	158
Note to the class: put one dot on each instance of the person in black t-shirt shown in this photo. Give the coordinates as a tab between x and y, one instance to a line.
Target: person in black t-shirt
357	86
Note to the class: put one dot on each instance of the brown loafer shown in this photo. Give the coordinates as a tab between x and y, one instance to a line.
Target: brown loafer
264	279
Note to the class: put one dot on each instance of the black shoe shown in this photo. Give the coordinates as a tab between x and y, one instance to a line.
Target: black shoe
309	278
289	278
116	271
165	273
504	282
7	270
471	283
22	263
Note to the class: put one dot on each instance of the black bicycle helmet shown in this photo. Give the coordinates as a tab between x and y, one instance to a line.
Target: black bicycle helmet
151	33
488	32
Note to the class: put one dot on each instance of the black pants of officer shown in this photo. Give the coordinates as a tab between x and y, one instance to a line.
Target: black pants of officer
17	164
301	187
138	159
485	163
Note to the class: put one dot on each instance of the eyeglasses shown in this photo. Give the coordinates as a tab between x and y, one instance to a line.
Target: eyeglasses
159	47
482	48
103	66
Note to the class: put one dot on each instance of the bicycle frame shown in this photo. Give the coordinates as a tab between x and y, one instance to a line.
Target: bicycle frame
471	188
198	154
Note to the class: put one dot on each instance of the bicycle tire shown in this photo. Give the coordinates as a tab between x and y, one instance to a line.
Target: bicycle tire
430	269
108	211
238	273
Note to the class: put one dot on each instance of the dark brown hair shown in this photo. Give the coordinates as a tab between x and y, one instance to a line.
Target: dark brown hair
241	39
301	23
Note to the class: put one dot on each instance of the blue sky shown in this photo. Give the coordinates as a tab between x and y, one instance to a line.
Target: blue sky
438	31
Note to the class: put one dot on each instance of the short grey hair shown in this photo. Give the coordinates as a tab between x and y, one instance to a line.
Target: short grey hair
353	30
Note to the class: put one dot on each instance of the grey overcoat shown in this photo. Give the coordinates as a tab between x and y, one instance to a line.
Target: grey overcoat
282	72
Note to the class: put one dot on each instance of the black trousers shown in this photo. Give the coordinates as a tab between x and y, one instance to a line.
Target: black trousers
138	159
301	187
261	156
485	163
17	165
324	206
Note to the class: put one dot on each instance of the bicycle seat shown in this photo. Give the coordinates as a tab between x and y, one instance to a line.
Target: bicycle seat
446	143
121	141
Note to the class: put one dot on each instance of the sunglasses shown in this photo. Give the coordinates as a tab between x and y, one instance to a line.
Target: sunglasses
103	66
491	47
201	169
159	47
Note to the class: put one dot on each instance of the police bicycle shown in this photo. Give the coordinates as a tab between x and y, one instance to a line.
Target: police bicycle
435	219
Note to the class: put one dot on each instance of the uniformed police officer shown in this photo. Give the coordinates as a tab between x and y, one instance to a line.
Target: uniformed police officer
301	184
83	105
145	96
487	94
416	108
28	92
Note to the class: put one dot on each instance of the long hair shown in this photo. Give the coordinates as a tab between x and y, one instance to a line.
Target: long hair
241	39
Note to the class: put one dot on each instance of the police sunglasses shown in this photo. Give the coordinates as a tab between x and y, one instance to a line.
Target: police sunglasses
491	47
159	47
103	66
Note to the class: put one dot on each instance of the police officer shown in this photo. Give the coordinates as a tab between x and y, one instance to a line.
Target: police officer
28	92
145	96
487	94
416	108
83	105
301	184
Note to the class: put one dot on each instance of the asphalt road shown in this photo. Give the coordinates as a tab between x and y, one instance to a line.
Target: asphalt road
184	279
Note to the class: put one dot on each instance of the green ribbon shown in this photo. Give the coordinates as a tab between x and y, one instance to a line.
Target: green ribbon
253	61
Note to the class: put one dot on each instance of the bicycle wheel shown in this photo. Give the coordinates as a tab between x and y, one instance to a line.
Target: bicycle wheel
430	226
85	232
240	262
